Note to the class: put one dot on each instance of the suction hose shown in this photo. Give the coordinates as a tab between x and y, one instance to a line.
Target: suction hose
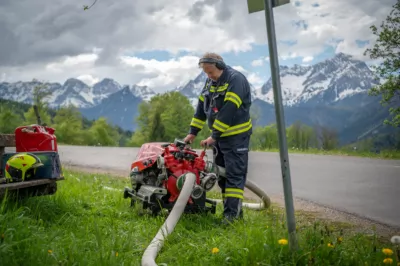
266	201
150	254
220	171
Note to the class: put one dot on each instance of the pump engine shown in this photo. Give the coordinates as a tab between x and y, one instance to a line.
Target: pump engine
158	173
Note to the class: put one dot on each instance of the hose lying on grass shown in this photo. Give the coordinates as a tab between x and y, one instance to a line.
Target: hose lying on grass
266	202
150	254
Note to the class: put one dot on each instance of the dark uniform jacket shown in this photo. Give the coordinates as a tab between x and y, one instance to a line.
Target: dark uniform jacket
225	104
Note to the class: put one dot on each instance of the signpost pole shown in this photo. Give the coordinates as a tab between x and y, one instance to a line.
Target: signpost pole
268	6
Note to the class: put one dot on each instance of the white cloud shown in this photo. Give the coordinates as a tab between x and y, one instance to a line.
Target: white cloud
289	55
165	74
56	42
160	75
255	80
257	62
241	69
328	24
88	79
69	63
307	59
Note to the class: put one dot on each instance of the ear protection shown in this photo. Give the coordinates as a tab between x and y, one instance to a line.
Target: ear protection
218	63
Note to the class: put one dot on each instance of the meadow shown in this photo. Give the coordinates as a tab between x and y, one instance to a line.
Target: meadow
88	222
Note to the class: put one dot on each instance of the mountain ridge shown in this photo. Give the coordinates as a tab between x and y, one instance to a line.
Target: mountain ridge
311	80
326	93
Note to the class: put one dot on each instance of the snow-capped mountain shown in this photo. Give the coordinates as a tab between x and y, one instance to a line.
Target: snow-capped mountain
193	88
313	94
326	82
104	88
73	91
142	92
120	107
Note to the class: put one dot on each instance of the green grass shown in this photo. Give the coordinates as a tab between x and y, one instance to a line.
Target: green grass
386	154
85	223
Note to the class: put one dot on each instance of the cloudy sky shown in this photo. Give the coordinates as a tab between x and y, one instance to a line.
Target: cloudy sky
158	42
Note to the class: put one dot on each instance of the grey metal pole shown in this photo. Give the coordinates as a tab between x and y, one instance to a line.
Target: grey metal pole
280	121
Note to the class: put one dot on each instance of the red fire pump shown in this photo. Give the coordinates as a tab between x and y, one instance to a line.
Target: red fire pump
158	173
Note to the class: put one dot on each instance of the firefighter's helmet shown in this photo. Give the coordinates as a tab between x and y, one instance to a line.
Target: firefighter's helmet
22	166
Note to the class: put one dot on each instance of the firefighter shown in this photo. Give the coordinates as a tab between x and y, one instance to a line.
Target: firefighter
225	103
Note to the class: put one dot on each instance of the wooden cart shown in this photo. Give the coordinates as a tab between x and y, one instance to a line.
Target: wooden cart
42	185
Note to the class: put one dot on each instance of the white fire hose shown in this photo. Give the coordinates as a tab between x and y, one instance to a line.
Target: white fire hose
150	254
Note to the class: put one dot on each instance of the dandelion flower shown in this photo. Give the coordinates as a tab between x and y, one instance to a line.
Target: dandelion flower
116	254
339	239
388	261
214	250
330	245
387	251
282	242
49	251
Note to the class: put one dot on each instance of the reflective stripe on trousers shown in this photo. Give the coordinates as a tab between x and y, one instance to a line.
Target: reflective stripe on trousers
233	156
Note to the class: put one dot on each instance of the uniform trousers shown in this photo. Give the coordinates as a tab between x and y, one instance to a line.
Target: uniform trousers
232	153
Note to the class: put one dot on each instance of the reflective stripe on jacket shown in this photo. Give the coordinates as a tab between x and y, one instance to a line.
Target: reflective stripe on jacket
225	104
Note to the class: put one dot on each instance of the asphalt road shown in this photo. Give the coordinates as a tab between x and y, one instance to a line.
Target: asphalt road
369	188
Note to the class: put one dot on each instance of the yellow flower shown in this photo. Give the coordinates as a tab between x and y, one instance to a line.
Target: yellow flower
388	261
116	254
214	250
339	239
330	245
387	251
282	242
49	251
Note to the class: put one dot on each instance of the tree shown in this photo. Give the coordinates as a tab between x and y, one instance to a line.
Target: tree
328	138
258	139
68	125
387	48
294	135
9	121
102	134
271	137
165	117
40	94
255	114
